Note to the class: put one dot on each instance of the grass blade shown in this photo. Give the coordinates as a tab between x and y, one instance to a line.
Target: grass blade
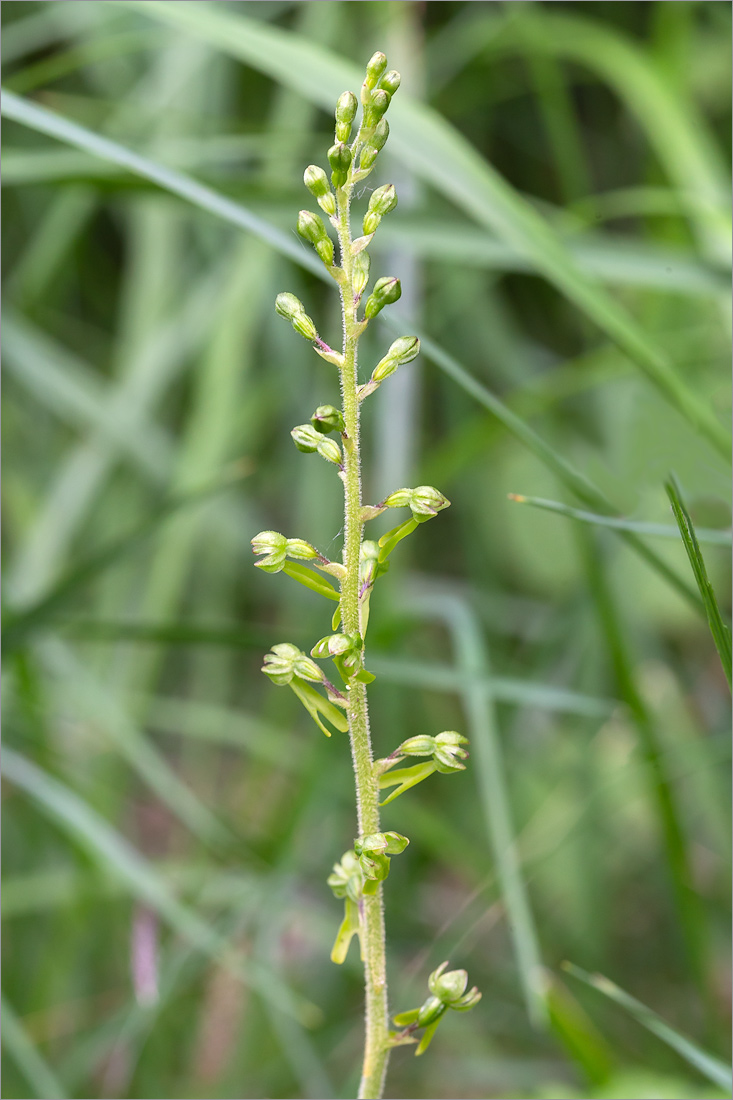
120	859
718	628
617	523
22	1050
438	153
709	1066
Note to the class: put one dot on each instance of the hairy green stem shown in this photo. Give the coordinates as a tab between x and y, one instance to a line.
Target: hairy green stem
376	1049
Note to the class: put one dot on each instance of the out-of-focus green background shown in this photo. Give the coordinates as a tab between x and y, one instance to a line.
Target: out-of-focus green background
170	818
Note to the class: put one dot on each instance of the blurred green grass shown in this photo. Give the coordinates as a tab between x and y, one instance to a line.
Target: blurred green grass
561	236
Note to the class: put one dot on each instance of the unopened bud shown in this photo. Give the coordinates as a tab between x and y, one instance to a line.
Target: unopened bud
316	181
287	305
427	501
329	449
345	114
312	229
422	745
378	105
400	498
337	645
306	438
403	350
360	272
382	201
299	548
375	67
375	144
447	986
390	81
286	661
327	419
339	157
386	291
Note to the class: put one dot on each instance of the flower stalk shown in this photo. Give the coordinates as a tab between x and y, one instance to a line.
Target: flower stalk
360	875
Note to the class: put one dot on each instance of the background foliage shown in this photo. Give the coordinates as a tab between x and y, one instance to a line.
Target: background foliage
169	819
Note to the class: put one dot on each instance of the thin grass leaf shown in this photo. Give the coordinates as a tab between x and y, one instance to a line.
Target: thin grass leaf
117	857
438	153
21	624
707	1064
24	1053
718	628
639	527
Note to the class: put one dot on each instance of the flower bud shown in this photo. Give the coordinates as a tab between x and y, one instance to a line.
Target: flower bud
312	229
375	67
287	661
316	181
274	546
345	114
386	291
337	645
374	144
360	272
299	548
339	157
390	81
329	449
449	986
378	105
403	350
427	501
306	438
400	498
422	745
327	419
430	1011
382	201
287	305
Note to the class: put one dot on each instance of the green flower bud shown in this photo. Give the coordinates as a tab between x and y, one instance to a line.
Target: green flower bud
422	745
375	67
299	548
328	419
287	661
369	551
339	157
449	752
427	501
391	844
378	105
329	449
316	181
382	201
361	272
447	986
274	546
374	145
345	114
400	498
390	81
386	291
337	645
430	1011
287	305
312	229
403	350
306	438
